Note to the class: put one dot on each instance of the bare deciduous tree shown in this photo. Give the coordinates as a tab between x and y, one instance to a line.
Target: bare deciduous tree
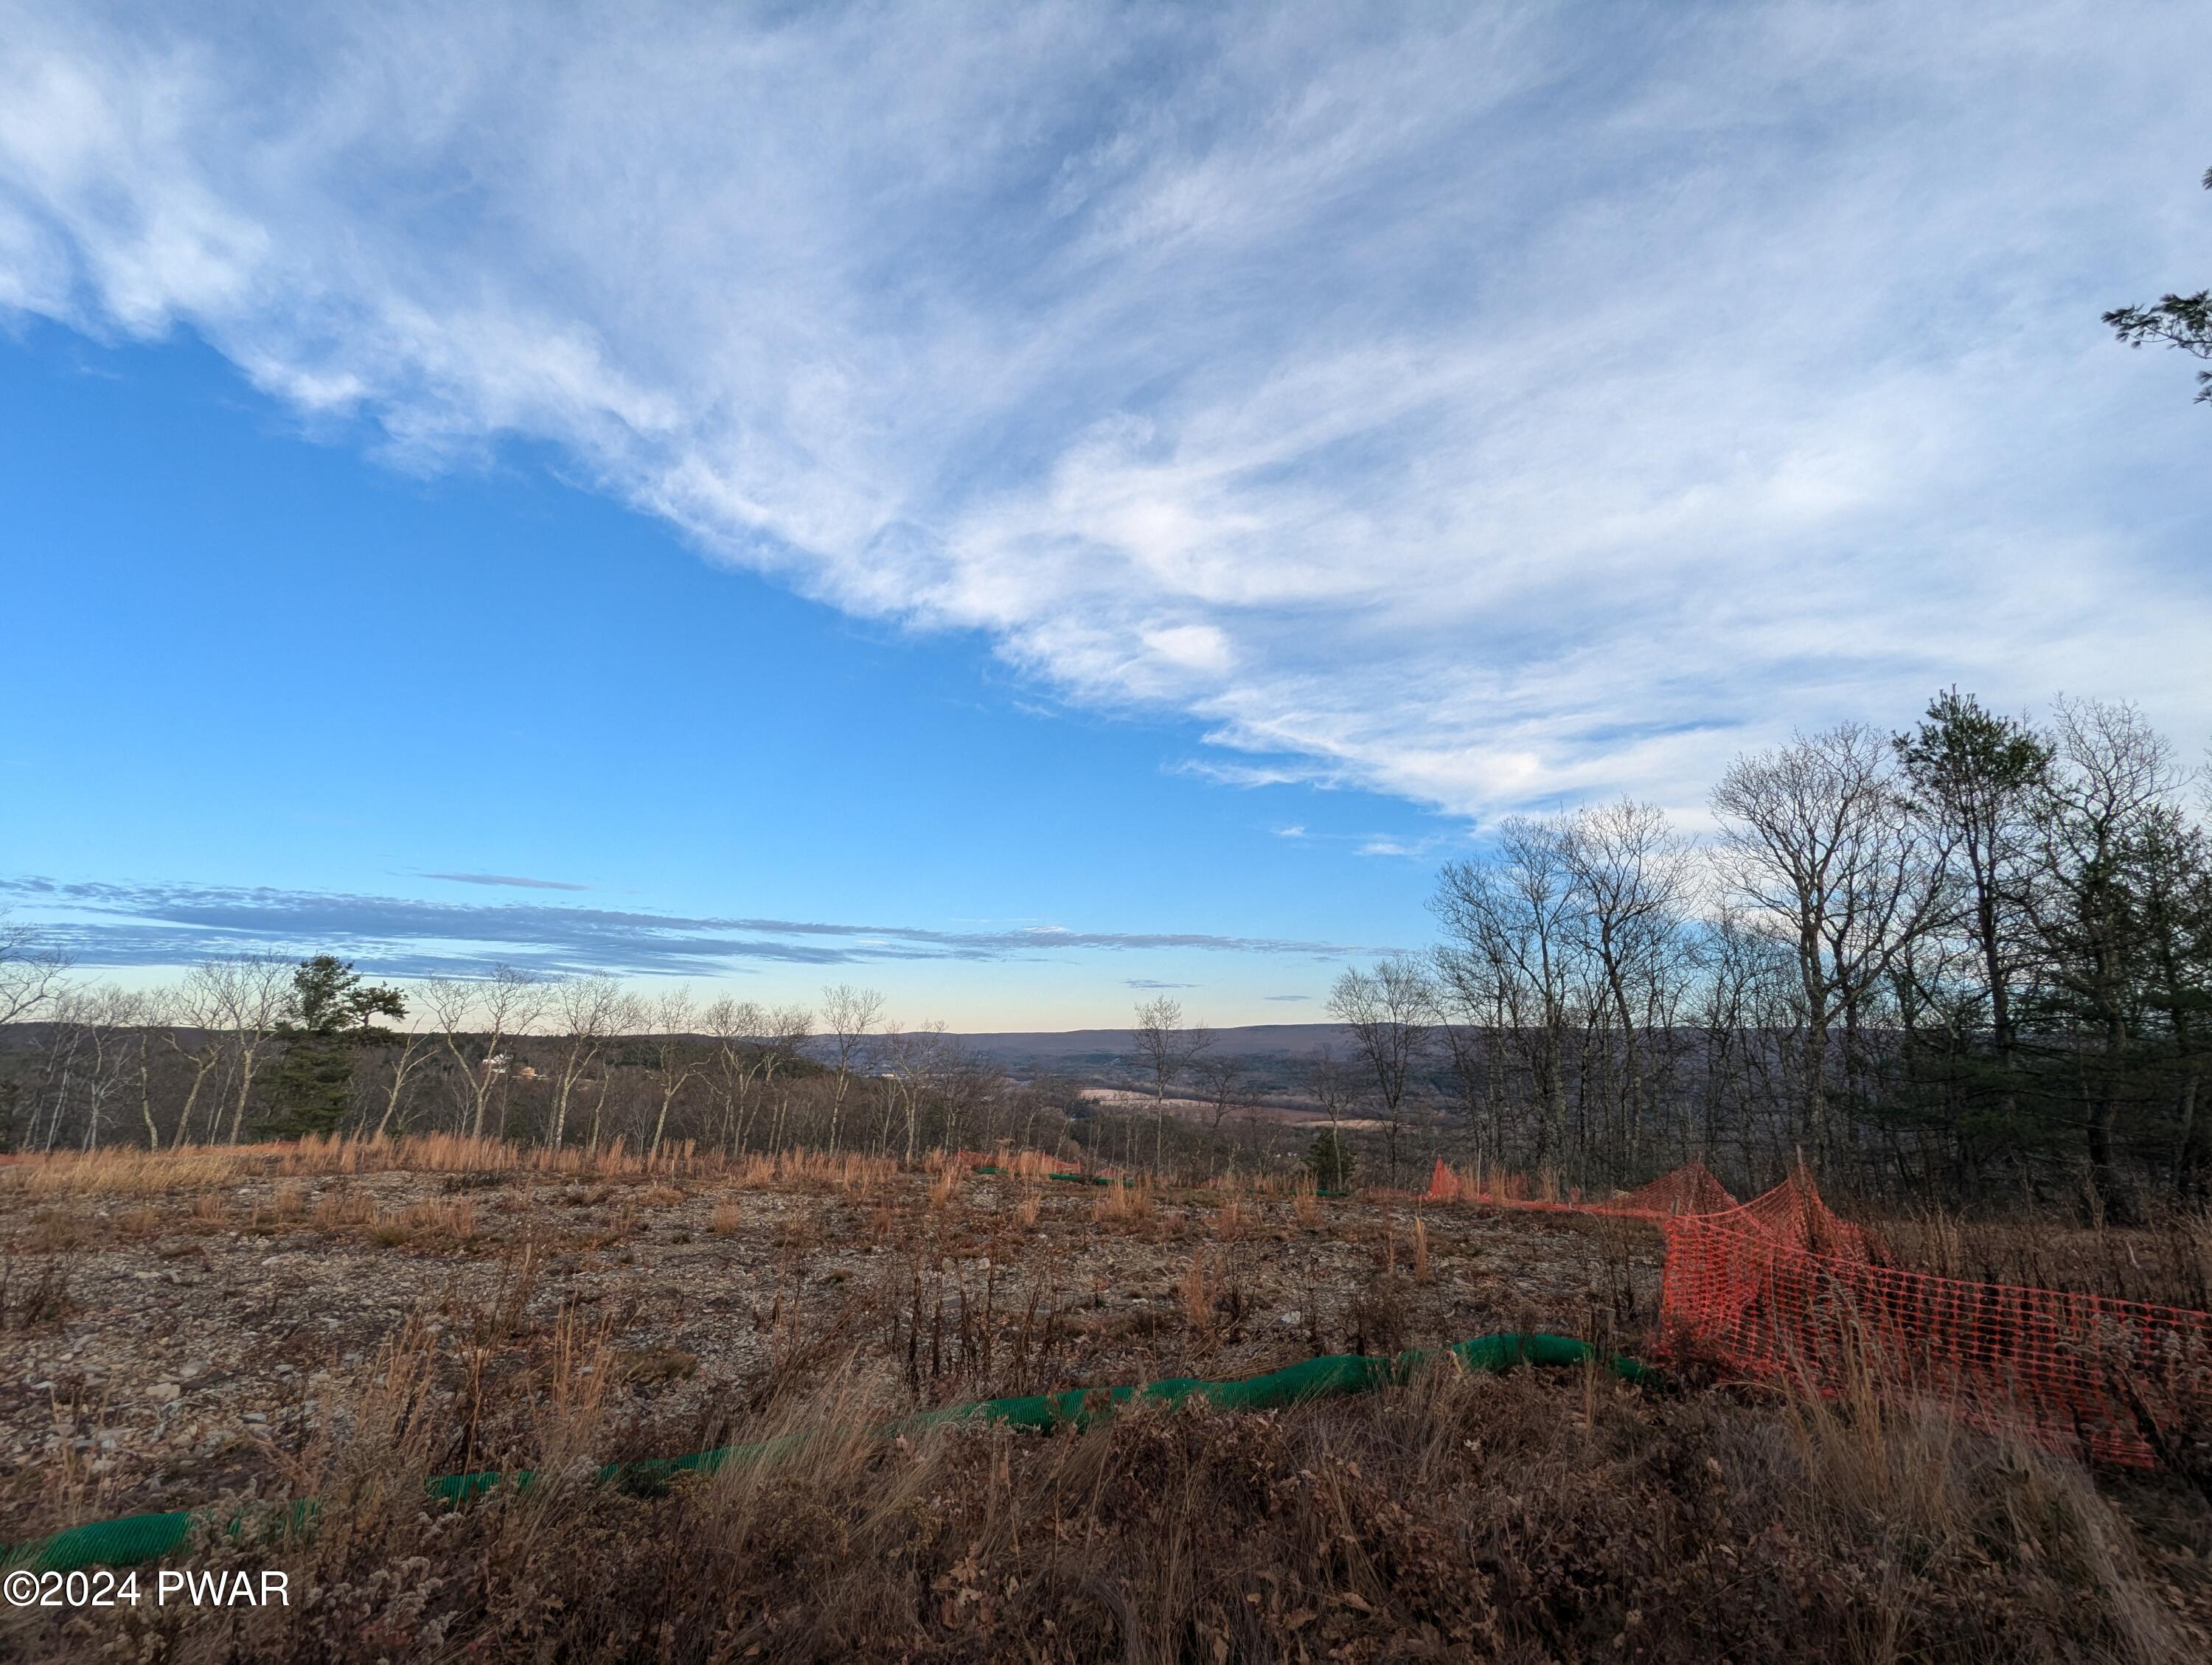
193	1031
1165	1047
967	1085
676	1058
1391	1012
497	1007
1819	841
915	1057
248	998
1629	871
413	1051
736	1027
847	1016
590	1011
30	974
107	1035
1221	1083
2109	799
1506	963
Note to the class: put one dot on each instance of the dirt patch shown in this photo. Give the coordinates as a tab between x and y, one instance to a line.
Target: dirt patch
156	1352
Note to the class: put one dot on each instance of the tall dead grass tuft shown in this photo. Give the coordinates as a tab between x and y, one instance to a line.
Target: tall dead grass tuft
437	1221
130	1172
1123	1203
1909	1481
126	1172
342	1207
848	1172
944	1187
1528	1516
1197	1291
2166	1261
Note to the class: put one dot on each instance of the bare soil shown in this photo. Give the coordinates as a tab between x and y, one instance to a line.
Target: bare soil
157	1351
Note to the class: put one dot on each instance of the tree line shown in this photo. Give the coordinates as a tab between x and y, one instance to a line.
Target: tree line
259	1047
1972	957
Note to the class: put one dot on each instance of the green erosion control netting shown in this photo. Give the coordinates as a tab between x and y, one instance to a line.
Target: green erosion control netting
143	1537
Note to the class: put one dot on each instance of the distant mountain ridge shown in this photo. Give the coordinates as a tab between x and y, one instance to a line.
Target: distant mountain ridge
1063	1048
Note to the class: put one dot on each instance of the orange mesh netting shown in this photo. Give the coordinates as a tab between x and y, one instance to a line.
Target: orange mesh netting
1793	1212
2114	1379
1782	1285
1690	1189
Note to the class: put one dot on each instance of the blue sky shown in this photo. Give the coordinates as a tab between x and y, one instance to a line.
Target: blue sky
1011	504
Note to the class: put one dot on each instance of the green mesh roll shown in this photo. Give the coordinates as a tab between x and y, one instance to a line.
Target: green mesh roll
146	1537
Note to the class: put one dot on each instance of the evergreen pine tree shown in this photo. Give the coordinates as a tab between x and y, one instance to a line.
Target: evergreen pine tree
333	1015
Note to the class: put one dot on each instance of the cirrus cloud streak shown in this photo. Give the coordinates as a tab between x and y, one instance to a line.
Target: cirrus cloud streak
1481	407
105	924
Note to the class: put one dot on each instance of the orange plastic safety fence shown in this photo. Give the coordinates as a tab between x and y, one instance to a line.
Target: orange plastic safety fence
1690	1189
1793	1213
2112	1379
1782	1285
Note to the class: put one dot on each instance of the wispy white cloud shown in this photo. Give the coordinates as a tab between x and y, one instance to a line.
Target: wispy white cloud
1480	405
509	880
107	924
1410	848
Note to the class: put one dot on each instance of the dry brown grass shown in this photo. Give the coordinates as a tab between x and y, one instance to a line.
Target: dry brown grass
2165	1262
945	1186
127	1171
53	1229
341	1208
1532	1517
619	1226
1124	1205
1558	1517
436	1222
124	1172
1196	1291
815	1170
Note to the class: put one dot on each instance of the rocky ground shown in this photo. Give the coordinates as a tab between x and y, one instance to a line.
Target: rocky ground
160	1349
